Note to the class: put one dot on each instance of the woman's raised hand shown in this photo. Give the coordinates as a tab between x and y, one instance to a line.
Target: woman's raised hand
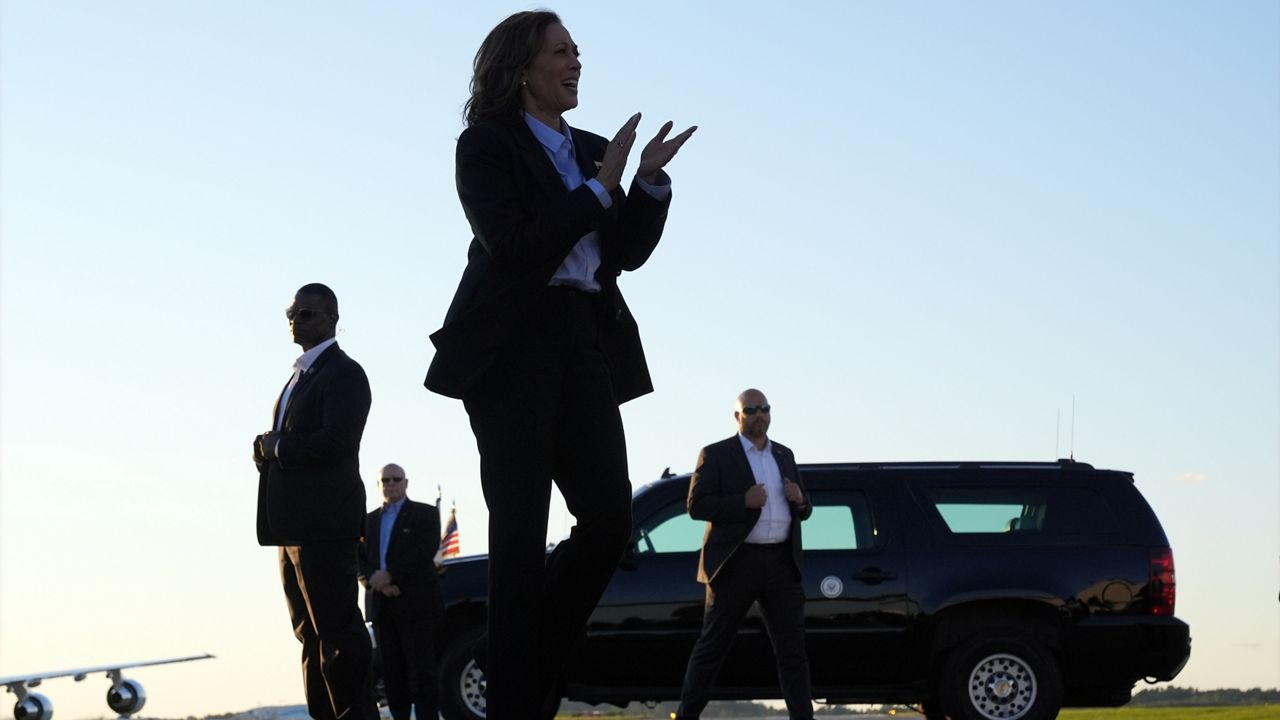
615	156
659	151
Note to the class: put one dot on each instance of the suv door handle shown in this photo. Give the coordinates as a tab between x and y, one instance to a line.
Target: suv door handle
874	576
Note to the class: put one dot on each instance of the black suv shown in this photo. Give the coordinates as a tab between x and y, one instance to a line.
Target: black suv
975	590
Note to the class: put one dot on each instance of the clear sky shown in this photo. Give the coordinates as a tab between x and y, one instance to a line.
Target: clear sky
924	229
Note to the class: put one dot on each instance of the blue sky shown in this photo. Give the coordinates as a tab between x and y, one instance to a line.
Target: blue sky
924	229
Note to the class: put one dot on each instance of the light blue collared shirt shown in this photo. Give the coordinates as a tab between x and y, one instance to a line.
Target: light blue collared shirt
580	265
389	515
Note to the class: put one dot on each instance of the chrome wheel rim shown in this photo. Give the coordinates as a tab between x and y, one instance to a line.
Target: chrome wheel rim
1002	687
471	687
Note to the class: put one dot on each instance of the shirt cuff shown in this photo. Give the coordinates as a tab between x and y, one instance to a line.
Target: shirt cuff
606	200
659	190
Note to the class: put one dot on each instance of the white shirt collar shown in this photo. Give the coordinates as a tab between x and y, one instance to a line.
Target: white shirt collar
308	358
551	138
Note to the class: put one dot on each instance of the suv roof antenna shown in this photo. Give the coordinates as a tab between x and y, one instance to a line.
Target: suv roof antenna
1057	433
1072	456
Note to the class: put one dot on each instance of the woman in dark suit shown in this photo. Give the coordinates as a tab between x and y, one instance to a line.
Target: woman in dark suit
540	346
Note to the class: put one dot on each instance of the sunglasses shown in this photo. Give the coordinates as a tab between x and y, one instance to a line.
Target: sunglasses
753	409
390	479
304	314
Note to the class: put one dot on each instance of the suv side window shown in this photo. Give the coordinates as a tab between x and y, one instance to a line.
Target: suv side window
840	521
1019	510
988	509
670	530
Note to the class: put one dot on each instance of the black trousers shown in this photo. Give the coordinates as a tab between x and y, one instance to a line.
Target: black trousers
406	632
320	588
754	573
545	412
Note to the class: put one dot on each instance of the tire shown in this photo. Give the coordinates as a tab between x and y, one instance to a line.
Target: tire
997	675
462	682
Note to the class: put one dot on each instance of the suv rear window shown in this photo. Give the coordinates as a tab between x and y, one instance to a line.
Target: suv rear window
1023	509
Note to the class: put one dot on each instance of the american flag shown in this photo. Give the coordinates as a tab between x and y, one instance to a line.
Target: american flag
449	543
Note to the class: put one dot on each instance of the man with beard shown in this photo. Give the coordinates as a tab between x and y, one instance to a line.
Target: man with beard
748	490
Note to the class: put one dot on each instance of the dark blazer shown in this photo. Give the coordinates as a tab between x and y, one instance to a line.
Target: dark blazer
524	223
313	492
411	551
717	493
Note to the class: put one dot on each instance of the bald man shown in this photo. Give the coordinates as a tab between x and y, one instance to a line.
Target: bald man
402	596
749	491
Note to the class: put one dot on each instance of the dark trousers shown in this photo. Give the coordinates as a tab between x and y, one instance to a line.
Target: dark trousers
767	574
406	631
545	412
320	587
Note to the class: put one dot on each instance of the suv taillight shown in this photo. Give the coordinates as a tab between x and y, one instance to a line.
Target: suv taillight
1162	589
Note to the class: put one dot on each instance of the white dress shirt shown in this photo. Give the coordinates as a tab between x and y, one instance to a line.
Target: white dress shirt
774	525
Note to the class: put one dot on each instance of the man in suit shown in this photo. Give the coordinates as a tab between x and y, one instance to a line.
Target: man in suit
748	490
402	597
311	505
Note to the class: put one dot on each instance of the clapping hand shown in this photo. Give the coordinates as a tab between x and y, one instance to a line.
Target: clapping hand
659	151
615	156
655	155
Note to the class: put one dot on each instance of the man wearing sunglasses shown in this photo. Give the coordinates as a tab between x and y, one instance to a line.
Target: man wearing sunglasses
748	489
402	595
311	505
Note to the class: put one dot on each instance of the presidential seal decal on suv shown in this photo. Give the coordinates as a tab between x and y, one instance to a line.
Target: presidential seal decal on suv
831	587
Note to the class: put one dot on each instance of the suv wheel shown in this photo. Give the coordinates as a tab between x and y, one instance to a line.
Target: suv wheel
1001	677
462	682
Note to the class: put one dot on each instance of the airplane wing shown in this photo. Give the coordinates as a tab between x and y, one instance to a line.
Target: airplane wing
14	681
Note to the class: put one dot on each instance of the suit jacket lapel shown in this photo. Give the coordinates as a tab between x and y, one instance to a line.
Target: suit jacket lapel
744	465
784	473
535	158
783	468
582	154
304	381
293	398
275	409
395	525
743	470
